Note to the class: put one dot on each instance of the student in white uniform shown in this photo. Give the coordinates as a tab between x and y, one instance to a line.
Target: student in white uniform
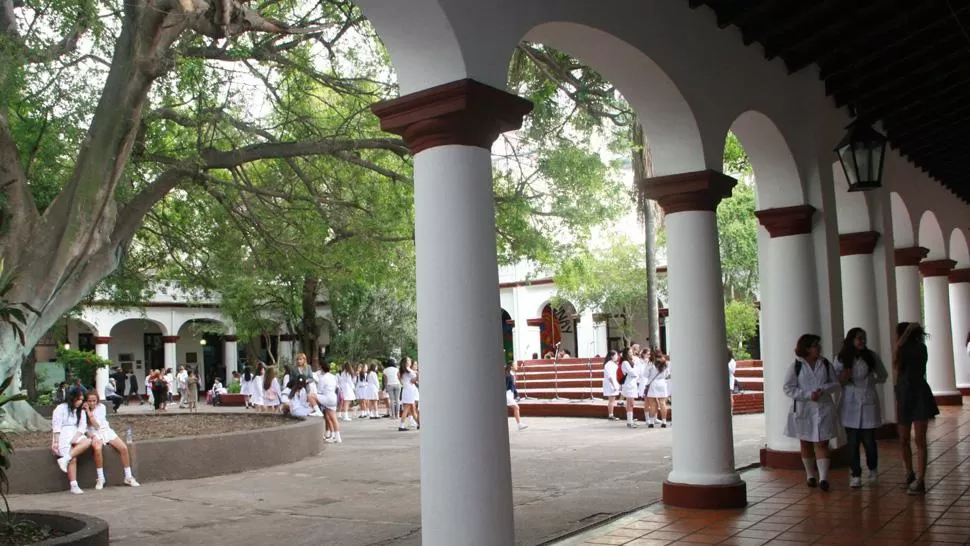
246	386
409	395
360	389
101	434
643	362
327	398
271	390
345	381
611	384
629	387
302	404
68	424
257	397
859	371
657	389
813	418
373	389
512	394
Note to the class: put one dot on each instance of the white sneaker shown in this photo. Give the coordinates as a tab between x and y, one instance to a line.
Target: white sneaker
131	482
99	485
63	462
75	490
523	426
330	440
855	482
873	476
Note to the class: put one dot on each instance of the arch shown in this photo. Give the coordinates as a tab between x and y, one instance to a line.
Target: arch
959	249
777	181
154	326
559	327
851	209
931	236
668	121
508	340
903	233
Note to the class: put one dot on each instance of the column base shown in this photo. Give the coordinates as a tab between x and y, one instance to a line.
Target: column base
705	497
792	460
949	399
965	391
888	431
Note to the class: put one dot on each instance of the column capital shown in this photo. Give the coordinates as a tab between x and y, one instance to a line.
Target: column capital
102	340
463	112
786	221
936	268
911	255
230	339
170	339
959	275
698	190
861	242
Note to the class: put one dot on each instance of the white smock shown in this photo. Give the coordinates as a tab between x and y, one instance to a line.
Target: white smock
808	420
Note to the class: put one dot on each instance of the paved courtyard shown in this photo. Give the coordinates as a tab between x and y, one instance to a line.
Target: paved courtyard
568	473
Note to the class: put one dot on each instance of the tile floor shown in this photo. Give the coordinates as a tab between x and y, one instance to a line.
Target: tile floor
782	510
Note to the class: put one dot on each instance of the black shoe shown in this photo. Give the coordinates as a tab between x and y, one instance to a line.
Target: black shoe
910	478
402	429
812	482
663	425
823	485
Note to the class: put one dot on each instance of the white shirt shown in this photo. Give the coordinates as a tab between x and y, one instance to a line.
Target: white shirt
732	371
391	376
629	388
101	416
326	384
183	379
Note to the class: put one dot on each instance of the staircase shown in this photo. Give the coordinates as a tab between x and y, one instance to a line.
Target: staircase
578	385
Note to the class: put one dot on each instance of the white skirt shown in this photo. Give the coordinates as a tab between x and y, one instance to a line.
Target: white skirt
608	389
257	395
510	399
107	435
66	438
347	392
409	395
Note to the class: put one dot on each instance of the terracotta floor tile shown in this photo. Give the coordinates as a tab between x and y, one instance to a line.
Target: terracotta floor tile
804	538
960	538
702	538
666	535
627	532
609	540
647	542
647	525
751	533
740	541
765	526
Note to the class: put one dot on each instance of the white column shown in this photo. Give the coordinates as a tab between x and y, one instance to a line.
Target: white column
859	305
171	354
789	309
703	440
908	303
102	374
230	355
466	474
285	349
939	343
960	318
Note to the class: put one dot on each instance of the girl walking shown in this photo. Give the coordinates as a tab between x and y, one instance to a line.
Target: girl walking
914	401
192	391
327	397
409	395
512	394
860	370
810	382
347	395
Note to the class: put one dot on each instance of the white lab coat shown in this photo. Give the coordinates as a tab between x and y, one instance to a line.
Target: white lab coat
860	399
611	387
808	420
629	387
657	381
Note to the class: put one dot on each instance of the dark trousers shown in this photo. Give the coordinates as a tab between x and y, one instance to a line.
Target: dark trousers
116	400
866	437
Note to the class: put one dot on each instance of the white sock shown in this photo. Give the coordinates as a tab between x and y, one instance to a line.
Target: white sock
823	470
810	466
74	484
650	419
128	473
100	473
337	437
629	417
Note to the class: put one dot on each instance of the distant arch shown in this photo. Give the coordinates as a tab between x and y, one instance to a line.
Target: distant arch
931	236
777	181
959	249
903	232
852	211
508	339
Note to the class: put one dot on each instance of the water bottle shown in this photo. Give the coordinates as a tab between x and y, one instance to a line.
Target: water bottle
128	439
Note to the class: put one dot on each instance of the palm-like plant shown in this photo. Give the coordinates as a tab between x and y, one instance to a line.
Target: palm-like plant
14	314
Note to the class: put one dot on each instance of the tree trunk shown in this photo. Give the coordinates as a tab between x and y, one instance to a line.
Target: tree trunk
16	416
643	168
309	328
28	374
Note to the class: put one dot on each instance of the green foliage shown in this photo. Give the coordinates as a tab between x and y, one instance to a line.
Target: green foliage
737	229
736	160
371	322
6	452
14	314
82	365
611	280
235	387
741	323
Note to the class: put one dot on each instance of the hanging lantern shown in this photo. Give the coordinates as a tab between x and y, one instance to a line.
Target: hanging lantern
861	153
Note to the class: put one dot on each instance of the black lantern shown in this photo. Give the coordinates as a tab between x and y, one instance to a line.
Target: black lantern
862	152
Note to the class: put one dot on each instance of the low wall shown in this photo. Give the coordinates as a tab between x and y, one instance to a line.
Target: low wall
35	470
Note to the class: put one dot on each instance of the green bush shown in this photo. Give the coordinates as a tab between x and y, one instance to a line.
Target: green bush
82	364
235	387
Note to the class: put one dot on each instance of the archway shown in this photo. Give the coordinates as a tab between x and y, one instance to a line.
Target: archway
903	233
508	341
137	346
201	347
558	329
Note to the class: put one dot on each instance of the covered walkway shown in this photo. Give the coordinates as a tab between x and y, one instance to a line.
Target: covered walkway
782	510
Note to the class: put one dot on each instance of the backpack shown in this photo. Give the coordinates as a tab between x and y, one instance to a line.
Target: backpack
620	376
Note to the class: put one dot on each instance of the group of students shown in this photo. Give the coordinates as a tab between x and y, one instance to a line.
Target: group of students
633	373
828	397
80	424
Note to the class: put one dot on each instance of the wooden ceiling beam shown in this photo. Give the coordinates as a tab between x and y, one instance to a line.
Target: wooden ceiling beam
928	115
905	130
924	74
740	12
818	19
896	106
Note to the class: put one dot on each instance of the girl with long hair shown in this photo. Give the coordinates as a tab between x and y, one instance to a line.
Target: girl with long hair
810	382
629	387
257	397
101	434
68	441
657	390
915	404
512	394
327	398
246	386
611	384
347	394
860	370
409	395
373	389
271	390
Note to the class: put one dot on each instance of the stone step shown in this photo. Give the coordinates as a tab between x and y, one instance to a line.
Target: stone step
561	374
749	372
752	383
748	363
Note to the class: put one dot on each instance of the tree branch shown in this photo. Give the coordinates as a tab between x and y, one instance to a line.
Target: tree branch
131	216
215	159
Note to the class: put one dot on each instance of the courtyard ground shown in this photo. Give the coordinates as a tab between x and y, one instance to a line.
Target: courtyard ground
568	473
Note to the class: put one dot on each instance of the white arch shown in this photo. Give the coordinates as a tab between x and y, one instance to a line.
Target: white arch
214	318
851	209
903	233
668	121
86	322
564	304
161	327
777	181
931	236
959	249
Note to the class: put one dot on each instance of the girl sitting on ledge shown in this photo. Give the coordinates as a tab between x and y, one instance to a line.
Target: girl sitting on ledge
100	433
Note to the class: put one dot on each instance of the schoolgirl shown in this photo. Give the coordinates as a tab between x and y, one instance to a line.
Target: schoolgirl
101	434
360	388
271	390
347	394
657	389
611	385
257	387
813	419
327	398
859	371
409	395
629	386
302	404
373	390
512	394
68	441
914	401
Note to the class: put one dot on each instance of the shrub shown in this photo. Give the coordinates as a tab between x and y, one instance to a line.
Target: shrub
82	364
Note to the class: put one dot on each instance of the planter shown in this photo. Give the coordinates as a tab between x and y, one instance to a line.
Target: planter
81	529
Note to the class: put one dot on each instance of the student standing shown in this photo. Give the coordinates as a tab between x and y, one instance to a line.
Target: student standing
657	390
611	385
914	401
813	418
629	387
860	370
392	386
512	394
